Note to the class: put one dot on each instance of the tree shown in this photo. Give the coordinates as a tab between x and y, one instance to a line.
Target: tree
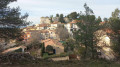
116	13
85	34
51	18
36	36
105	19
99	19
62	32
11	21
61	19
69	45
73	15
57	15
113	24
42	49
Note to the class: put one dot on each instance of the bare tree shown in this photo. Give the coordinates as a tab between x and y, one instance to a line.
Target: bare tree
62	32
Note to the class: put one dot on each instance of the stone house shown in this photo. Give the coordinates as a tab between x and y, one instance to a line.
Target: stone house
57	46
45	20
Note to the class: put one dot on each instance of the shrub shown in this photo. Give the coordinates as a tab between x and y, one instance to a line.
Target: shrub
35	45
45	55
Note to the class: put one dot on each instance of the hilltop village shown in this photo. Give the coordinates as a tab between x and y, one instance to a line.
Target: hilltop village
54	37
50	30
76	36
51	33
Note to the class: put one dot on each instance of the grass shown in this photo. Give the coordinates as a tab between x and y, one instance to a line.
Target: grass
73	63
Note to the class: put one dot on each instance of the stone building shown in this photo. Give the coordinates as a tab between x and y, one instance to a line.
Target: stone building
45	20
57	46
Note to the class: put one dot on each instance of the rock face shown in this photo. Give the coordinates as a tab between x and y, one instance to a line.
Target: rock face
15	57
105	45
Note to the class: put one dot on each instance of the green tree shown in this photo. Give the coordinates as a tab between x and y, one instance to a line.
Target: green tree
85	34
42	49
51	18
61	19
99	19
114	22
57	15
73	15
69	45
116	13
11	21
105	19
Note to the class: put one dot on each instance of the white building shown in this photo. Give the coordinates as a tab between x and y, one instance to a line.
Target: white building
72	26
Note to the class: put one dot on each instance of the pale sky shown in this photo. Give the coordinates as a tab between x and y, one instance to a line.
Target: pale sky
43	8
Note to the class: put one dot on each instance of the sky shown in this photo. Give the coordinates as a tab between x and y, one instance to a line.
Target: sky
43	8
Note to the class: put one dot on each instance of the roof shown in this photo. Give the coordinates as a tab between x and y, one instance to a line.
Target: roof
102	22
52	42
32	31
107	30
55	22
43	25
13	49
74	21
52	30
44	31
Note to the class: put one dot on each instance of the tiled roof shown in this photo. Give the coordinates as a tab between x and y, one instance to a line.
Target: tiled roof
107	30
55	22
52	42
102	22
43	25
44	31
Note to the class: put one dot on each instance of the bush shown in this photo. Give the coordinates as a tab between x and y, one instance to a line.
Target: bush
35	45
42	49
45	55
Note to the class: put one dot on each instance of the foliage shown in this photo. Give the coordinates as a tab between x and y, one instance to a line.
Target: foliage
34	45
62	33
81	51
42	49
116	13
61	19
69	45
57	15
105	19
11	20
85	35
113	24
51	18
99	19
45	55
73	15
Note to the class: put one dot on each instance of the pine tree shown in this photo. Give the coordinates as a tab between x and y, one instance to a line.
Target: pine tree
85	34
11	20
61	19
